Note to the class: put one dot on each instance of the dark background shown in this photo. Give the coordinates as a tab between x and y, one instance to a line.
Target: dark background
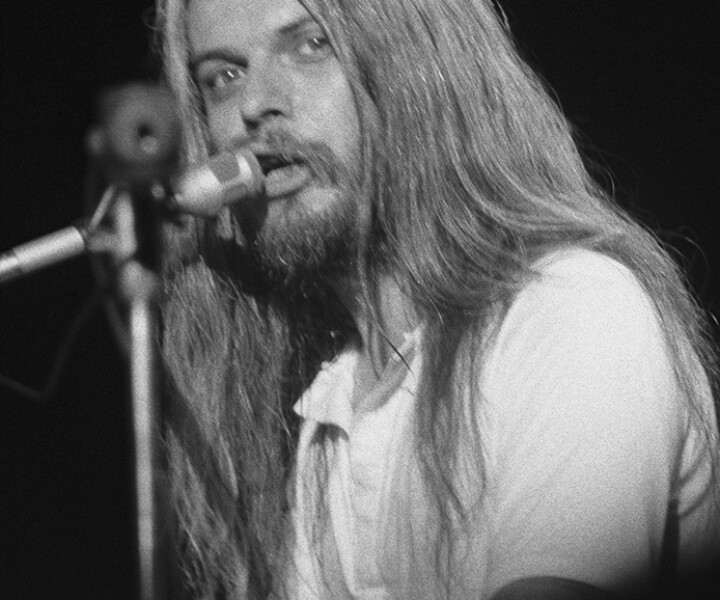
638	78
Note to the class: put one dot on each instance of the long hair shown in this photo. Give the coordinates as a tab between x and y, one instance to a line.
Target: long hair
472	174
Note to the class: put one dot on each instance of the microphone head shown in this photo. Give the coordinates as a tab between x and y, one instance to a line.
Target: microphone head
228	177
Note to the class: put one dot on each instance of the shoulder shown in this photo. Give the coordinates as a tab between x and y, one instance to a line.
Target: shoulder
585	430
581	285
582	347
581	305
582	425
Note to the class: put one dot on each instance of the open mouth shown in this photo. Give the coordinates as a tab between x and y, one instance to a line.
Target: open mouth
273	162
283	174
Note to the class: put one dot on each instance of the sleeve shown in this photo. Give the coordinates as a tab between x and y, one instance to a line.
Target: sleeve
583	429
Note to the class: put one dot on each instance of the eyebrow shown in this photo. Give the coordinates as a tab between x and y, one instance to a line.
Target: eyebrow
229	54
295	24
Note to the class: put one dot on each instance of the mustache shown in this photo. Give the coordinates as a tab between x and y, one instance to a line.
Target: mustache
322	161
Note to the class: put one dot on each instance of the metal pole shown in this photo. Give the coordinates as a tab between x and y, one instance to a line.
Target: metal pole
138	285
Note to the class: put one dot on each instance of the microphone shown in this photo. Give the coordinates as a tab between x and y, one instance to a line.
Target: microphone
137	143
42	252
228	177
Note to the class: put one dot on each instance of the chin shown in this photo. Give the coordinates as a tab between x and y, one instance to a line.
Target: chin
302	243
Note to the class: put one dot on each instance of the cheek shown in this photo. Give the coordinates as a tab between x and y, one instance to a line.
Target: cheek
225	124
338	113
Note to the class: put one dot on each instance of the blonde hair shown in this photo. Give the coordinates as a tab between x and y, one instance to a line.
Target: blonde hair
473	174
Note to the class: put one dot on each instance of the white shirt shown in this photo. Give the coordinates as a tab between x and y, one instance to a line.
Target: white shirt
586	440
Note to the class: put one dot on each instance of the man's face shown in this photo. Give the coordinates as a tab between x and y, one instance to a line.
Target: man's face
270	80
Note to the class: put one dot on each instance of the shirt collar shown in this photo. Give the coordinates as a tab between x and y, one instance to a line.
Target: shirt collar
328	400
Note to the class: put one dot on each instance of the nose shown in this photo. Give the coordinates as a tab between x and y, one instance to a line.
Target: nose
263	95
266	96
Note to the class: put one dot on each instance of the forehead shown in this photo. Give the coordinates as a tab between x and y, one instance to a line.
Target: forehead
239	23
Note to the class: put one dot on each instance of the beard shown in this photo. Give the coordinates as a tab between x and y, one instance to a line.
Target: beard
299	246
305	246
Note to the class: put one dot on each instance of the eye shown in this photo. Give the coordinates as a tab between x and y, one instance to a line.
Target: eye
218	81
314	47
222	78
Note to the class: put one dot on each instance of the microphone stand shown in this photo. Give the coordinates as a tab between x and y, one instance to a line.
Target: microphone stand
137	286
124	228
136	147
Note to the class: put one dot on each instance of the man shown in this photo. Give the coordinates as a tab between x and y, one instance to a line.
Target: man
431	359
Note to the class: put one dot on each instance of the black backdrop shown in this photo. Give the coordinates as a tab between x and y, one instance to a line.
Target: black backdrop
638	78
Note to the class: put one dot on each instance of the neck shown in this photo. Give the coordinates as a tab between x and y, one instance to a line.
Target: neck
383	332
